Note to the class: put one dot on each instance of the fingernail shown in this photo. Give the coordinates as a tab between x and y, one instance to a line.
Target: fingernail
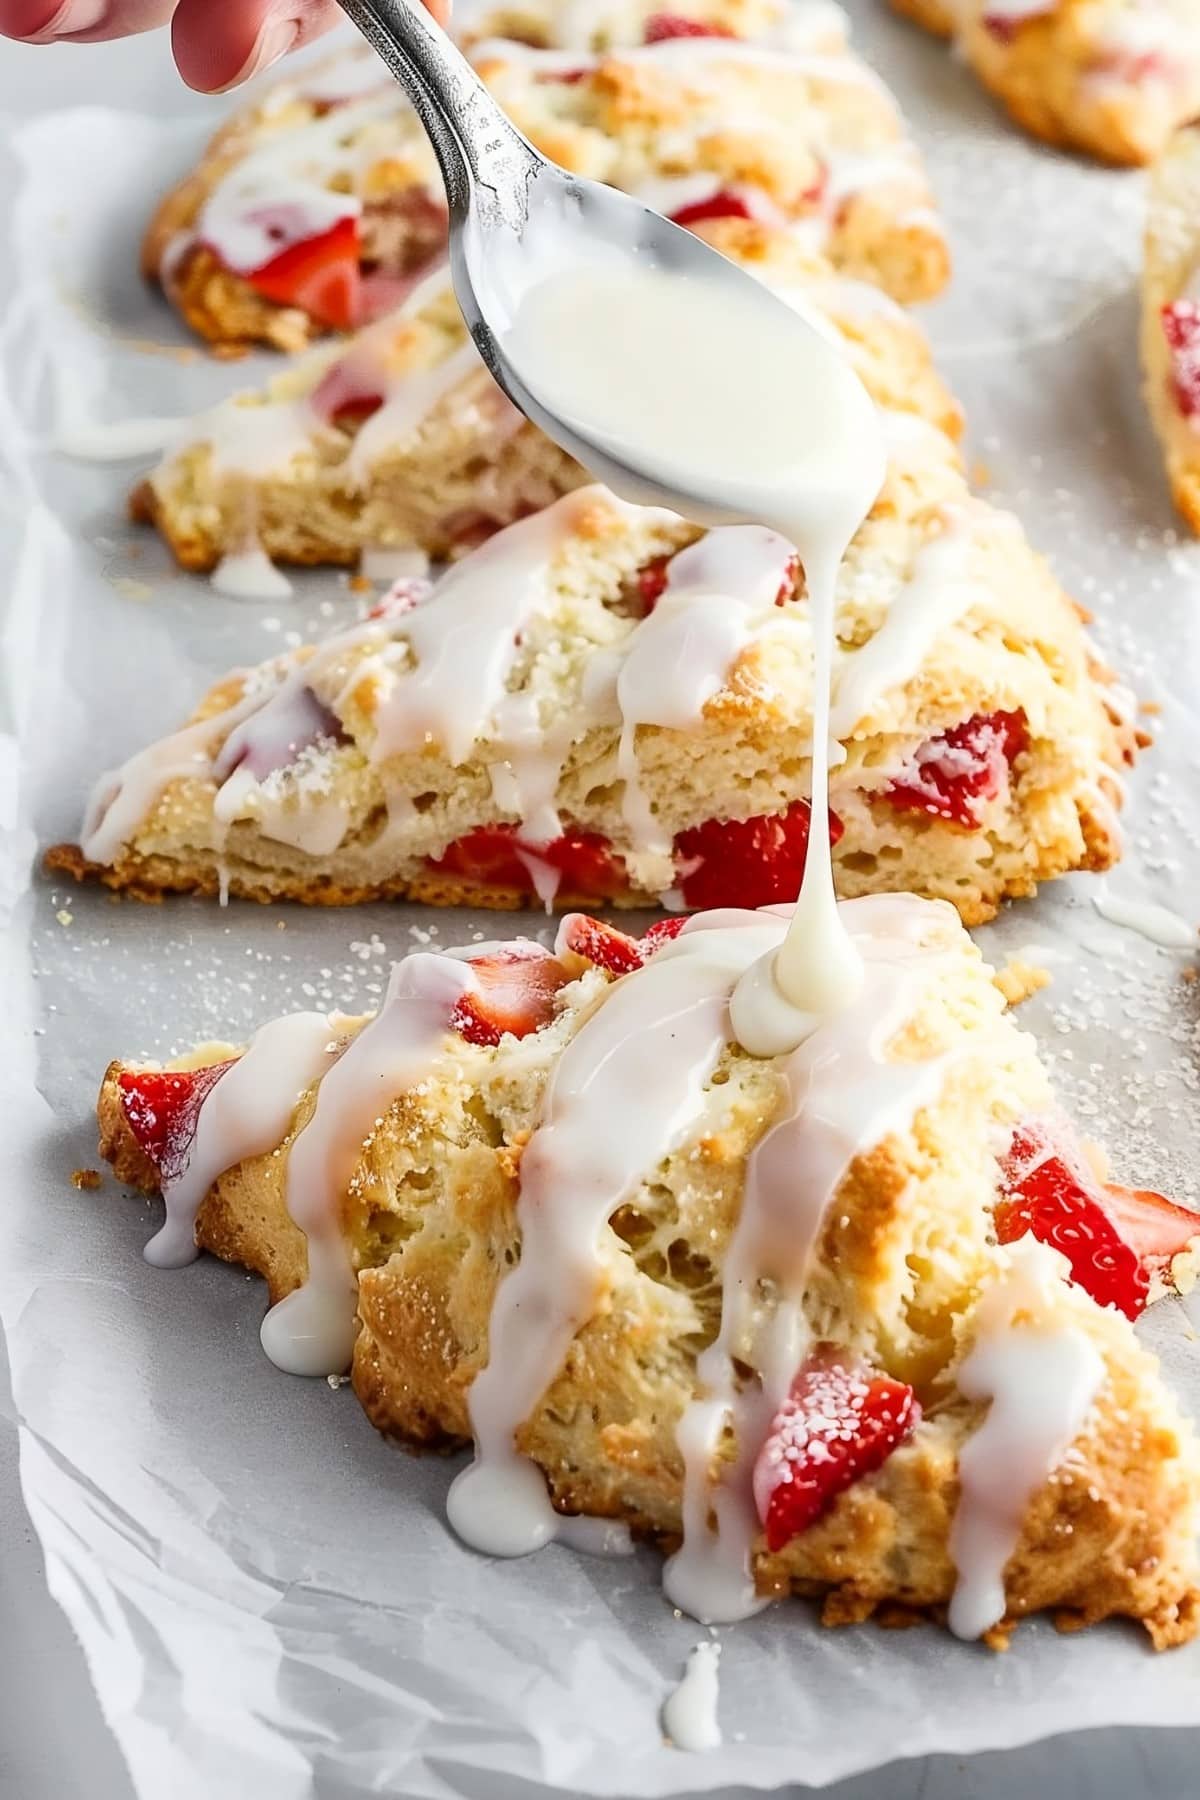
274	40
71	17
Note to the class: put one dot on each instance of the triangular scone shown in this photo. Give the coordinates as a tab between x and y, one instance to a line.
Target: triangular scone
1110	77
401	439
314	208
802	1311
604	703
1171	316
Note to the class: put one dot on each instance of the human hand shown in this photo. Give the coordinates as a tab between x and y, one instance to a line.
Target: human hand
217	43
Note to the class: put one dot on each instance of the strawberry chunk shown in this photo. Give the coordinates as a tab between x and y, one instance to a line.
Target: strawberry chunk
721	205
957	773
1181	328
491	854
1116	1239
162	1107
1003	23
652	582
320	275
662	26
746	862
346	395
839	1423
600	943
660	933
513	994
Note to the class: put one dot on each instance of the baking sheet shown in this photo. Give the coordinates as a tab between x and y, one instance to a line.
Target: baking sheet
267	1595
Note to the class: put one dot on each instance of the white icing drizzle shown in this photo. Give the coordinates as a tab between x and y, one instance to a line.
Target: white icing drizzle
844	1096
88	440
250	575
1040	1378
311	1332
940	590
720	593
663	1029
246	1114
1158	924
690	1715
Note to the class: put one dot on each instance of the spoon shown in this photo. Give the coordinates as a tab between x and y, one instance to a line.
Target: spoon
519	224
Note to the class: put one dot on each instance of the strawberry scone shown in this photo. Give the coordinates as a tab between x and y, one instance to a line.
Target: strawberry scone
605	704
1112	78
851	1322
316	208
400	439
1171	316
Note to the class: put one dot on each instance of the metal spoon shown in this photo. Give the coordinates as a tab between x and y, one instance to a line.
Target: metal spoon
517	218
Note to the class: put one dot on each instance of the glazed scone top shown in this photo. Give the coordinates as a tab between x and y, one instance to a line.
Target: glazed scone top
546	644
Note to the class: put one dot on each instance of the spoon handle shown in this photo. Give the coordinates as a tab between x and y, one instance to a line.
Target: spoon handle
482	155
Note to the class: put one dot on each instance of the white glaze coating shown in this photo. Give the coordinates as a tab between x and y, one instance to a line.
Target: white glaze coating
311	1332
1158	924
1040	1377
246	1114
689	1716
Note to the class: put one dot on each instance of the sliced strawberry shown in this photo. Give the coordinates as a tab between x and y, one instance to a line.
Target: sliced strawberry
401	597
490	854
721	205
163	1107
1181	328
513	994
840	1422
746	862
1115	1239
346	394
957	773
602	944
320	275
662	26
660	933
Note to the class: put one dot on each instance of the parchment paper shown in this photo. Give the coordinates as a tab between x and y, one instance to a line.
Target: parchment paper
268	1597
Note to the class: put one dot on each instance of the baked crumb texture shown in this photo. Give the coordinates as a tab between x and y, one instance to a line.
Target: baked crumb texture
399	438
768	118
1112	78
1171	316
984	738
901	1263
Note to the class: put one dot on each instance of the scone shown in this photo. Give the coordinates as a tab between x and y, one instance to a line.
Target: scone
316	208
1110	77
815	26
852	1322
604	703
1171	316
400	439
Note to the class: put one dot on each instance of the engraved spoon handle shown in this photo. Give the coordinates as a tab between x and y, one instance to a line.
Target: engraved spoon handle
484	159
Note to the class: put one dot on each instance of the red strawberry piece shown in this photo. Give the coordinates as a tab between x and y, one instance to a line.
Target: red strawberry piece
320	275
746	862
602	944
955	774
721	205
1181	328
839	1423
1115	1239
346	394
491	854
662	26
288	723
513	994
652	581
787	587
660	933
163	1107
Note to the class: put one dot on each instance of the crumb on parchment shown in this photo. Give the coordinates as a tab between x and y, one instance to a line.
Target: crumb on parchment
87	1180
1018	979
